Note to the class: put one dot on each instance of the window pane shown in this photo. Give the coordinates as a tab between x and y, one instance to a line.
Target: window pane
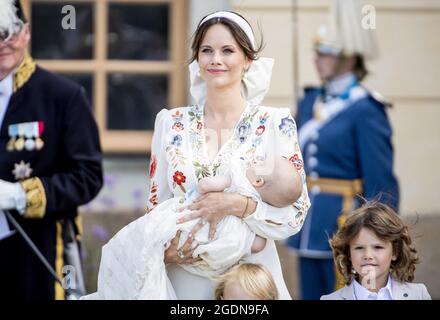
84	80
134	100
51	41
138	32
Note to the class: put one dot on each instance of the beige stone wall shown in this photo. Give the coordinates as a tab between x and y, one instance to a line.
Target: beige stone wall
407	73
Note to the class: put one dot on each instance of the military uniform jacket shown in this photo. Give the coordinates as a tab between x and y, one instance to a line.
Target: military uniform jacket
69	163
59	166
353	143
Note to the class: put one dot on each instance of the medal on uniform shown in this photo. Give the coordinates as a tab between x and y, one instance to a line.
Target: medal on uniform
13	132
22	170
29	133
19	143
29	144
25	135
39	143
10	145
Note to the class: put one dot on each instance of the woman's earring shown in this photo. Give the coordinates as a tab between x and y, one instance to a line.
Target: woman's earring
353	271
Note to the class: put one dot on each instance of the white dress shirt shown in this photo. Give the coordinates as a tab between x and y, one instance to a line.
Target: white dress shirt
362	293
6	91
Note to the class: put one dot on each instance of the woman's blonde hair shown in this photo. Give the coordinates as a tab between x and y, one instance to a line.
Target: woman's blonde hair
255	280
387	226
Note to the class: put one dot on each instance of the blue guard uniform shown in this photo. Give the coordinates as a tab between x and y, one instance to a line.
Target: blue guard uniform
345	136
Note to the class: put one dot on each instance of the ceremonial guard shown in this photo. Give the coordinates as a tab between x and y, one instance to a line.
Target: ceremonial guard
50	163
345	136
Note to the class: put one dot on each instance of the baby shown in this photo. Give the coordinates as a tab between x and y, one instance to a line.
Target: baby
270	181
132	263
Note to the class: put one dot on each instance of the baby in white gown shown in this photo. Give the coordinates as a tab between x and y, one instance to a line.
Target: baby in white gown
132	262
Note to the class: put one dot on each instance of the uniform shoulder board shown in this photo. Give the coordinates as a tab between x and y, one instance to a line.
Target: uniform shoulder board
380	98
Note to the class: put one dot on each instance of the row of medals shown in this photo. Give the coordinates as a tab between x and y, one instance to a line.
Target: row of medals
21	143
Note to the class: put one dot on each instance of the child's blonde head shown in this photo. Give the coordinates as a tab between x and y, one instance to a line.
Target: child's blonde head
387	225
254	279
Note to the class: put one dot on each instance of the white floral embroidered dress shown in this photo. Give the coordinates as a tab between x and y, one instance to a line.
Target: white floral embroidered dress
179	159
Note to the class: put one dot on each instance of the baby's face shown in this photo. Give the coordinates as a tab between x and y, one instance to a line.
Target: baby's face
275	180
258	169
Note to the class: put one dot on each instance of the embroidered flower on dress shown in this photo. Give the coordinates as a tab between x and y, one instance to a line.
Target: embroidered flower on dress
177	140
263	118
153	199
287	126
297	162
153	188
257	138
153	193
256	142
195	131
177	116
242	131
179	179
260	130
178	126
175	156
199	125
153	166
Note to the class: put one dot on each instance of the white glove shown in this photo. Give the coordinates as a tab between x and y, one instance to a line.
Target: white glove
12	196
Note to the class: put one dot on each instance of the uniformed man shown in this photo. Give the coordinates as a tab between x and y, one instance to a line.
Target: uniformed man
345	136
50	163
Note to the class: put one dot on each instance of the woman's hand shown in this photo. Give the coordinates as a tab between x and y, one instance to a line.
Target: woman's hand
183	255
212	207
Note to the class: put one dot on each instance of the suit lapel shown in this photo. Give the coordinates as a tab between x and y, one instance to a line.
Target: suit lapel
347	293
